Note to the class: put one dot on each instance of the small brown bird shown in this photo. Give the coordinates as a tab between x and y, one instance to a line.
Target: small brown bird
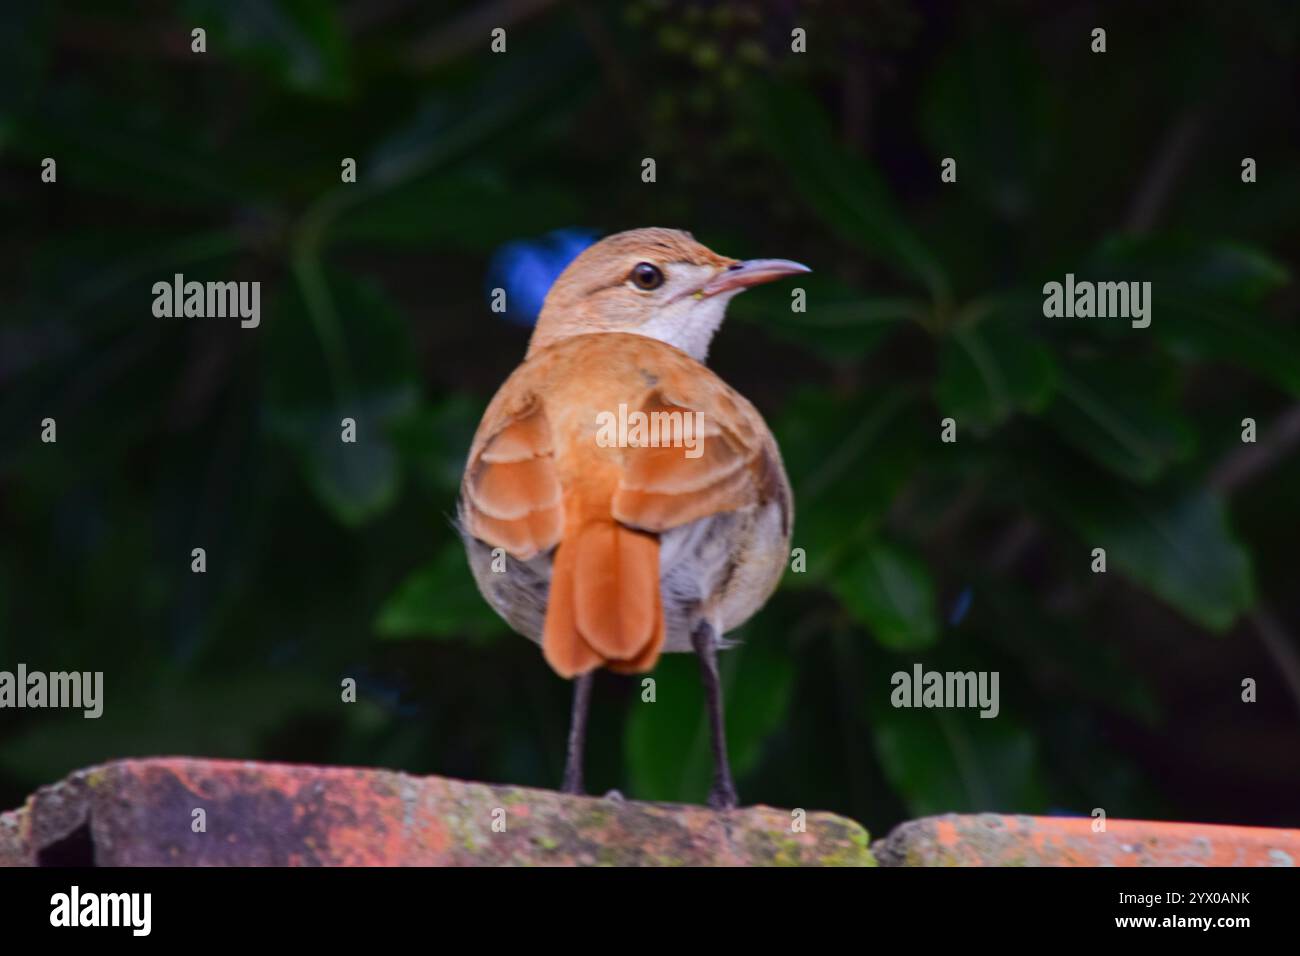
620	500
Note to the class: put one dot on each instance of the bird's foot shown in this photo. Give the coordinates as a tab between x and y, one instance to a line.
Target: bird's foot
615	796
723	796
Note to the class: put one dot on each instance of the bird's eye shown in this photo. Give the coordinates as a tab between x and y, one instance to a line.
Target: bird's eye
647	277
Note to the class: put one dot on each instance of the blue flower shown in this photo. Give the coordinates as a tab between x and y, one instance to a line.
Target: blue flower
526	269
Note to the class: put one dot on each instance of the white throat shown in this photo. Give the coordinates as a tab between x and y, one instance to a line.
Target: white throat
689	323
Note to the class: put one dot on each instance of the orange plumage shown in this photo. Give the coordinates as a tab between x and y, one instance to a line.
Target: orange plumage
538	479
621	550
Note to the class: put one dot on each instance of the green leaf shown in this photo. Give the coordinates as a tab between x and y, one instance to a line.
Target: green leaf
1192	267
465	212
987	106
1209	330
1059	652
355	481
891	593
668	753
440	600
94	286
1209	295
350	357
847	458
989	371
1114	413
406	172
434	441
954	761
840	324
199	720
300	43
844	190
1174	542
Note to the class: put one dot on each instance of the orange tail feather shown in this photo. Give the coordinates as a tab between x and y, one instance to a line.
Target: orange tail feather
604	606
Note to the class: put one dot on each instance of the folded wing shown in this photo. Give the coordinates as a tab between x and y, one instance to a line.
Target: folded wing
512	496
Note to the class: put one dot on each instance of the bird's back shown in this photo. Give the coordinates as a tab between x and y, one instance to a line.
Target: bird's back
633	491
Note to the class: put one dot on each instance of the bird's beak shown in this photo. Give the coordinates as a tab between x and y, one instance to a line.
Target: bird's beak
751	272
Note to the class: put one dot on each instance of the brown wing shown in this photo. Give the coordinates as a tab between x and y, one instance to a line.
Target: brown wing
663	487
511	493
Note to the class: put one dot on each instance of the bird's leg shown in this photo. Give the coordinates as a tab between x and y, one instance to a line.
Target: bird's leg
577	733
705	641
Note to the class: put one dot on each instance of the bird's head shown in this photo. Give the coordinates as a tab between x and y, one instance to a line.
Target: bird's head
659	283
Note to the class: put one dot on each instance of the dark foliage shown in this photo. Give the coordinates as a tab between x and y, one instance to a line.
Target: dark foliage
326	561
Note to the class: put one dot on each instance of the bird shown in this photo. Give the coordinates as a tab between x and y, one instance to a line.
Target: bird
610	546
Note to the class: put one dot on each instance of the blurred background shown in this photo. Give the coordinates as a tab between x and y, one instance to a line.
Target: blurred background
326	561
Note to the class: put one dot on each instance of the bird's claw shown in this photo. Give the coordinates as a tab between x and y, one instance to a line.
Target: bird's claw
723	797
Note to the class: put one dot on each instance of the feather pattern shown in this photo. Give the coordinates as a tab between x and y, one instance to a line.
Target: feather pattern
631	542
